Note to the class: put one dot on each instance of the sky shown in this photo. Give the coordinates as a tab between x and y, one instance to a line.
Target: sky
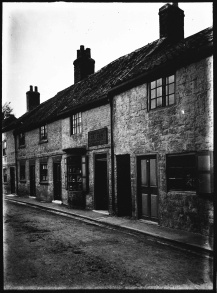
41	39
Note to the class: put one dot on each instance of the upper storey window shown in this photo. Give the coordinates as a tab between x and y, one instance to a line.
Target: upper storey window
43	132
162	92
22	139
76	123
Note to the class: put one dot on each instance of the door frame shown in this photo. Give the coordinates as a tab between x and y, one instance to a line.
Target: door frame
138	196
94	175
56	163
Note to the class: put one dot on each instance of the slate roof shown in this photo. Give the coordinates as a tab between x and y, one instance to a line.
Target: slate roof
95	88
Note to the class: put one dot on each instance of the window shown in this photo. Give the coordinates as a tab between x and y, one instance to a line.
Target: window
190	172
162	92
4	147
22	139
5	175
22	171
76	123
43	132
181	172
43	172
77	179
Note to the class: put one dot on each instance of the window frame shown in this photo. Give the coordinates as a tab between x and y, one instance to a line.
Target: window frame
76	123
179	169
43	173
160	87
198	172
43	129
22	139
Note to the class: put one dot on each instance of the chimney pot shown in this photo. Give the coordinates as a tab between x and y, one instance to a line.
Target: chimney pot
36	88
31	88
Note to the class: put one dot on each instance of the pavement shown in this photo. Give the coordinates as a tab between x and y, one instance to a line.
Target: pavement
185	240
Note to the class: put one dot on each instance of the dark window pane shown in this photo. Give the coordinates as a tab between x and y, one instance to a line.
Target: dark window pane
204	163
204	183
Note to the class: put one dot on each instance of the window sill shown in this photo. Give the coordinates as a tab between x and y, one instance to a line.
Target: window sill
22	181
161	108
43	141
5	183
44	183
22	146
185	192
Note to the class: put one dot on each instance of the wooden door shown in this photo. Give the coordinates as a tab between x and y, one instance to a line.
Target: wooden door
148	187
32	180
57	181
101	182
124	200
12	177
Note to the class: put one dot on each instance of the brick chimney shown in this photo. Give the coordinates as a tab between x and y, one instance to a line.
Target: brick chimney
32	98
171	19
84	65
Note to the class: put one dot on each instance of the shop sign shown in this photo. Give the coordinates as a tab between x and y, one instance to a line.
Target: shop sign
98	137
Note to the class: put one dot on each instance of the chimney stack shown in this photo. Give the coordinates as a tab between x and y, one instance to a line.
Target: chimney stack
32	98
84	65
171	19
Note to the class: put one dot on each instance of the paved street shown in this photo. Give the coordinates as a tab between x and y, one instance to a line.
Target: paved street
47	251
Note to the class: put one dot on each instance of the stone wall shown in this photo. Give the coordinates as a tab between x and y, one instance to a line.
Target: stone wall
8	160
92	119
183	127
36	150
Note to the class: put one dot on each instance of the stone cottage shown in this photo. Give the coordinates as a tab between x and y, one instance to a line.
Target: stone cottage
134	138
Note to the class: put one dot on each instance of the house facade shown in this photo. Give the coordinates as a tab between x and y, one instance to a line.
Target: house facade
134	138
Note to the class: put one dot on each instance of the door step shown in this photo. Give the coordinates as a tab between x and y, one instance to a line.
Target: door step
101	212
57	201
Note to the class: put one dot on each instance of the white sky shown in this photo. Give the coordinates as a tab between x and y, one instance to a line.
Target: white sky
40	40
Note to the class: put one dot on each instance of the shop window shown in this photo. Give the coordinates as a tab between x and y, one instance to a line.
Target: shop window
161	92
43	132
77	173
22	139
76	123
5	175
43	172
22	171
4	143
190	172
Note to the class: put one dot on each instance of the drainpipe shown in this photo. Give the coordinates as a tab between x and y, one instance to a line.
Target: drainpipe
112	154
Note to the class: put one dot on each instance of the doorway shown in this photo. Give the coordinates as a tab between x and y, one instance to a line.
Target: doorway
32	181
147	187
12	177
57	181
101	182
124	201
